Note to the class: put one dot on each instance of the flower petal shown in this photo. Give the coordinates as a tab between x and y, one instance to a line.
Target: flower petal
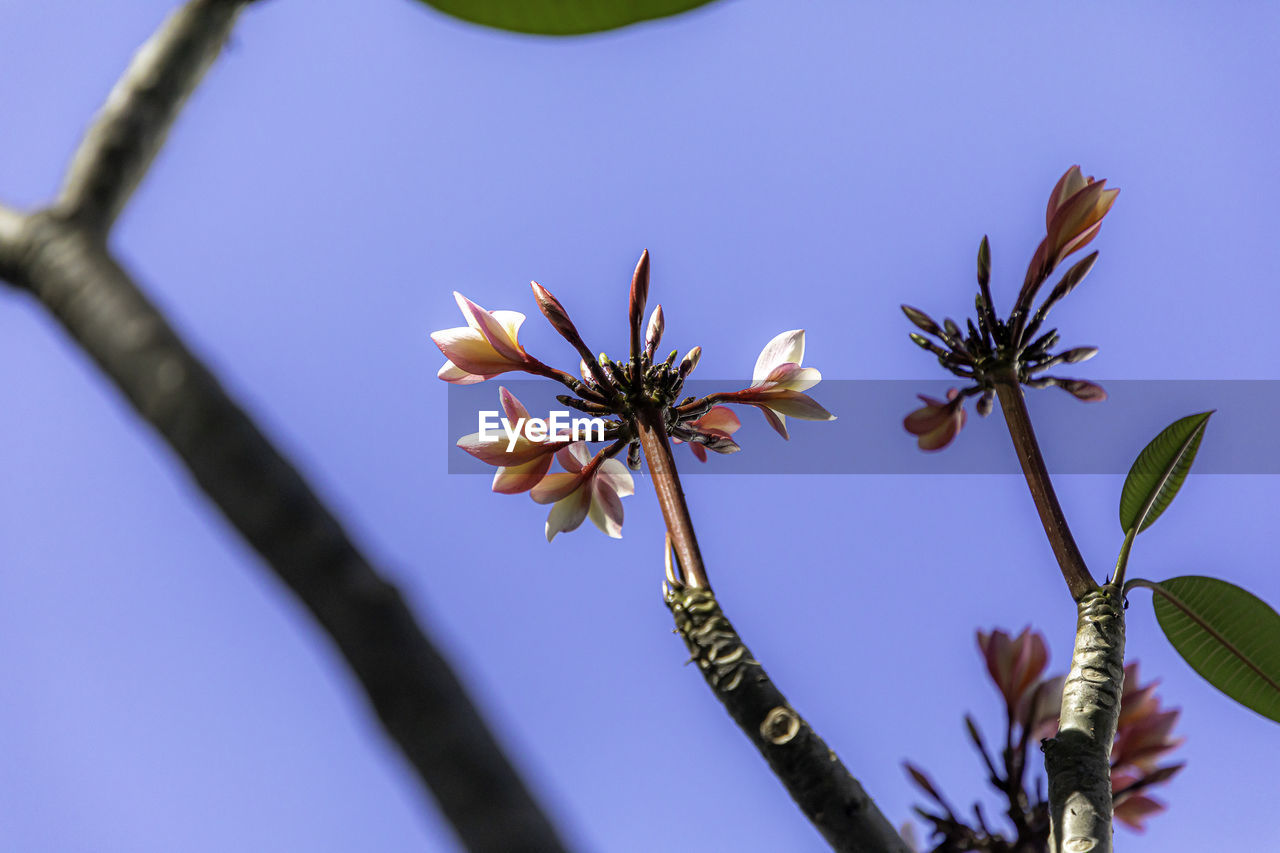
606	510
574	457
497	328
613	475
720	418
511	406
793	377
514	479
1068	185
778	422
469	350
568	513
451	373
555	487
944	434
797	405
786	347
926	419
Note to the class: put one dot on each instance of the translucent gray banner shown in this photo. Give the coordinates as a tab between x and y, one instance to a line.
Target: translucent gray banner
868	437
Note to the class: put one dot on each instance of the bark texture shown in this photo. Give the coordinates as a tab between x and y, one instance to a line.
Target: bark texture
815	777
1078	759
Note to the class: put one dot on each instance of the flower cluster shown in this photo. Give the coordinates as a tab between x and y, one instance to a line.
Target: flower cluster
1012	350
636	394
1016	666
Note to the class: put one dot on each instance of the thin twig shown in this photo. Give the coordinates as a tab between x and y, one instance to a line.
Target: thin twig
662	467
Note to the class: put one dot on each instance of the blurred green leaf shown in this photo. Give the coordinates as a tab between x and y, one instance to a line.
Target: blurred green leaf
1230	636
561	17
1159	471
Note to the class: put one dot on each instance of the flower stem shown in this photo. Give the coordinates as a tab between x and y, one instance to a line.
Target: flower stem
666	482
1016	417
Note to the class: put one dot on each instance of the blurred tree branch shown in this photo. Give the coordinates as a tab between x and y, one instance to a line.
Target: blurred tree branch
59	256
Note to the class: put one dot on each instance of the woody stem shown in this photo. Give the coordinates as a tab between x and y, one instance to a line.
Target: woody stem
1018	420
666	482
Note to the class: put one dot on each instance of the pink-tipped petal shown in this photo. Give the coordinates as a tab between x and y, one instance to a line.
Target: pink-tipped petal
943	434
797	405
614	475
455	375
555	487
925	420
720	418
469	350
699	452
512	407
775	420
512	480
786	347
1068	185
573	457
497	331
793	377
606	511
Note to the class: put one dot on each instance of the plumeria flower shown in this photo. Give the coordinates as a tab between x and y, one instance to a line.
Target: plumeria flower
1143	738
720	423
522	465
1072	219
637	401
937	422
1010	351
591	488
1015	663
778	383
485	347
1032	705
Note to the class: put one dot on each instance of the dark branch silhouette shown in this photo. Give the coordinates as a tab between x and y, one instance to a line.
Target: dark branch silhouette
59	256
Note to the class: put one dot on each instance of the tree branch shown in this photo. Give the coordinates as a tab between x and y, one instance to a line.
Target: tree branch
419	700
819	783
131	127
1078	758
59	256
1070	561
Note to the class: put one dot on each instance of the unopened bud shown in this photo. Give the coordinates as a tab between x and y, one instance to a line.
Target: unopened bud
554	312
653	334
984	262
921	319
690	362
1079	354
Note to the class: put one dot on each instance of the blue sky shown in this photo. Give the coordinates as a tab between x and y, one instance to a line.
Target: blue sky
345	166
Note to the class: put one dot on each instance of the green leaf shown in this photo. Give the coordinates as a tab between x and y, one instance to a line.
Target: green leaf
1158	472
1228	635
561	17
